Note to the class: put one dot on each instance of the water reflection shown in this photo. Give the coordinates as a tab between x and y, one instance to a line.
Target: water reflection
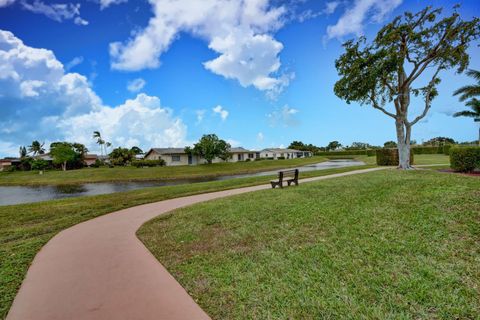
22	194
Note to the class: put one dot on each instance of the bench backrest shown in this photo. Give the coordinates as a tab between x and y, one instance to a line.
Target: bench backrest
288	173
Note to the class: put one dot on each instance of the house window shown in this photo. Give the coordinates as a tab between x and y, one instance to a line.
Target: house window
250	155
175	158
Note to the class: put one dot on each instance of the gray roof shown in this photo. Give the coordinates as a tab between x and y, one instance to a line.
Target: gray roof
280	150
168	150
239	150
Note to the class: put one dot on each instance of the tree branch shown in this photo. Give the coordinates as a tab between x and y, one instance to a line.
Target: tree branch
377	106
427	97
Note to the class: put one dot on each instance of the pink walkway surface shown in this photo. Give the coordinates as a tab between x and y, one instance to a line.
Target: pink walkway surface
99	269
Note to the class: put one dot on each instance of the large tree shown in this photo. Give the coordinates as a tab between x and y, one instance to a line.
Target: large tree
405	58
62	153
209	147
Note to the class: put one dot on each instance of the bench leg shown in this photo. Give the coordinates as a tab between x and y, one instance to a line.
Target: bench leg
273	184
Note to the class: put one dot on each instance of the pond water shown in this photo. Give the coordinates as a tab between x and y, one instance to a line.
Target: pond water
25	194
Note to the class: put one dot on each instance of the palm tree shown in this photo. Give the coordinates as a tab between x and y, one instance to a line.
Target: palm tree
36	148
474	104
470	91
100	141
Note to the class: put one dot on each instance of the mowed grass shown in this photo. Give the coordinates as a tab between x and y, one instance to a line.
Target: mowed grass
383	245
55	177
25	228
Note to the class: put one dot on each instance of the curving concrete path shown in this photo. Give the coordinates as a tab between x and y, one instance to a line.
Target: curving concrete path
98	269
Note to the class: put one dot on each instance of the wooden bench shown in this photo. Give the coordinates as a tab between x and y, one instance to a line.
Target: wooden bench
288	175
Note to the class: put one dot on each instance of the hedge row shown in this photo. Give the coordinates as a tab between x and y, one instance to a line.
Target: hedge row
389	157
465	159
371	152
148	163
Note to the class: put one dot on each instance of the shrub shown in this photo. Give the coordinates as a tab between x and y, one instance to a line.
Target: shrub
389	157
40	164
465	159
248	159
371	152
427	150
446	148
259	159
97	164
280	158
148	163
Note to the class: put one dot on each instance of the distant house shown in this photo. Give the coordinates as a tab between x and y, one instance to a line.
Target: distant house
178	156
171	156
8	162
90	159
276	153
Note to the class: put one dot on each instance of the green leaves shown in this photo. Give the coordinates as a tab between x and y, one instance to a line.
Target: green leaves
375	73
210	147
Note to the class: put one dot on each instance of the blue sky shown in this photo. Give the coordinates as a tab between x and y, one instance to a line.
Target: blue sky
161	73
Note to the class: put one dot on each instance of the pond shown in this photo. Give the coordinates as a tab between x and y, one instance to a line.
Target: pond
26	194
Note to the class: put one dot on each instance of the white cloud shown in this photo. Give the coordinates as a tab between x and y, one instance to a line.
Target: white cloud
73	63
200	115
141	121
355	17
56	11
233	143
284	116
240	31
4	3
331	6
260	137
221	112
136	85
40	101
106	3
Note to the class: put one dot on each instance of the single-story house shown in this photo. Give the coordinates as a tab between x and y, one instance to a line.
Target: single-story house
8	162
277	153
178	156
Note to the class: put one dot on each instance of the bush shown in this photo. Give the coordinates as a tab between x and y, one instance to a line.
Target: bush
40	164
371	152
259	159
389	157
248	159
446	149
97	164
148	163
465	159
280	158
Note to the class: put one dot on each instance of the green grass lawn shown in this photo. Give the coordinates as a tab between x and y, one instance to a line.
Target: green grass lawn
181	172
383	245
25	228
155	173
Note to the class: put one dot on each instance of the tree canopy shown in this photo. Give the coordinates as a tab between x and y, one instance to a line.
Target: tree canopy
209	147
388	70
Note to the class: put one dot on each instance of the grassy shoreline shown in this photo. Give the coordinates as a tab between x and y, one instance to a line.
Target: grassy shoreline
125	174
349	248
25	228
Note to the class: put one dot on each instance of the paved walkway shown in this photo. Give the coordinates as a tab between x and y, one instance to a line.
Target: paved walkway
98	269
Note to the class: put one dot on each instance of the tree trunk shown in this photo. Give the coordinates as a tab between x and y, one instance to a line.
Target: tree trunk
64	166
403	141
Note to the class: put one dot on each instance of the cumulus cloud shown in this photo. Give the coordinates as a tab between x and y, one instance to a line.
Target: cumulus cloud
136	85
140	121
56	11
284	116
221	112
240	31
361	12
40	101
